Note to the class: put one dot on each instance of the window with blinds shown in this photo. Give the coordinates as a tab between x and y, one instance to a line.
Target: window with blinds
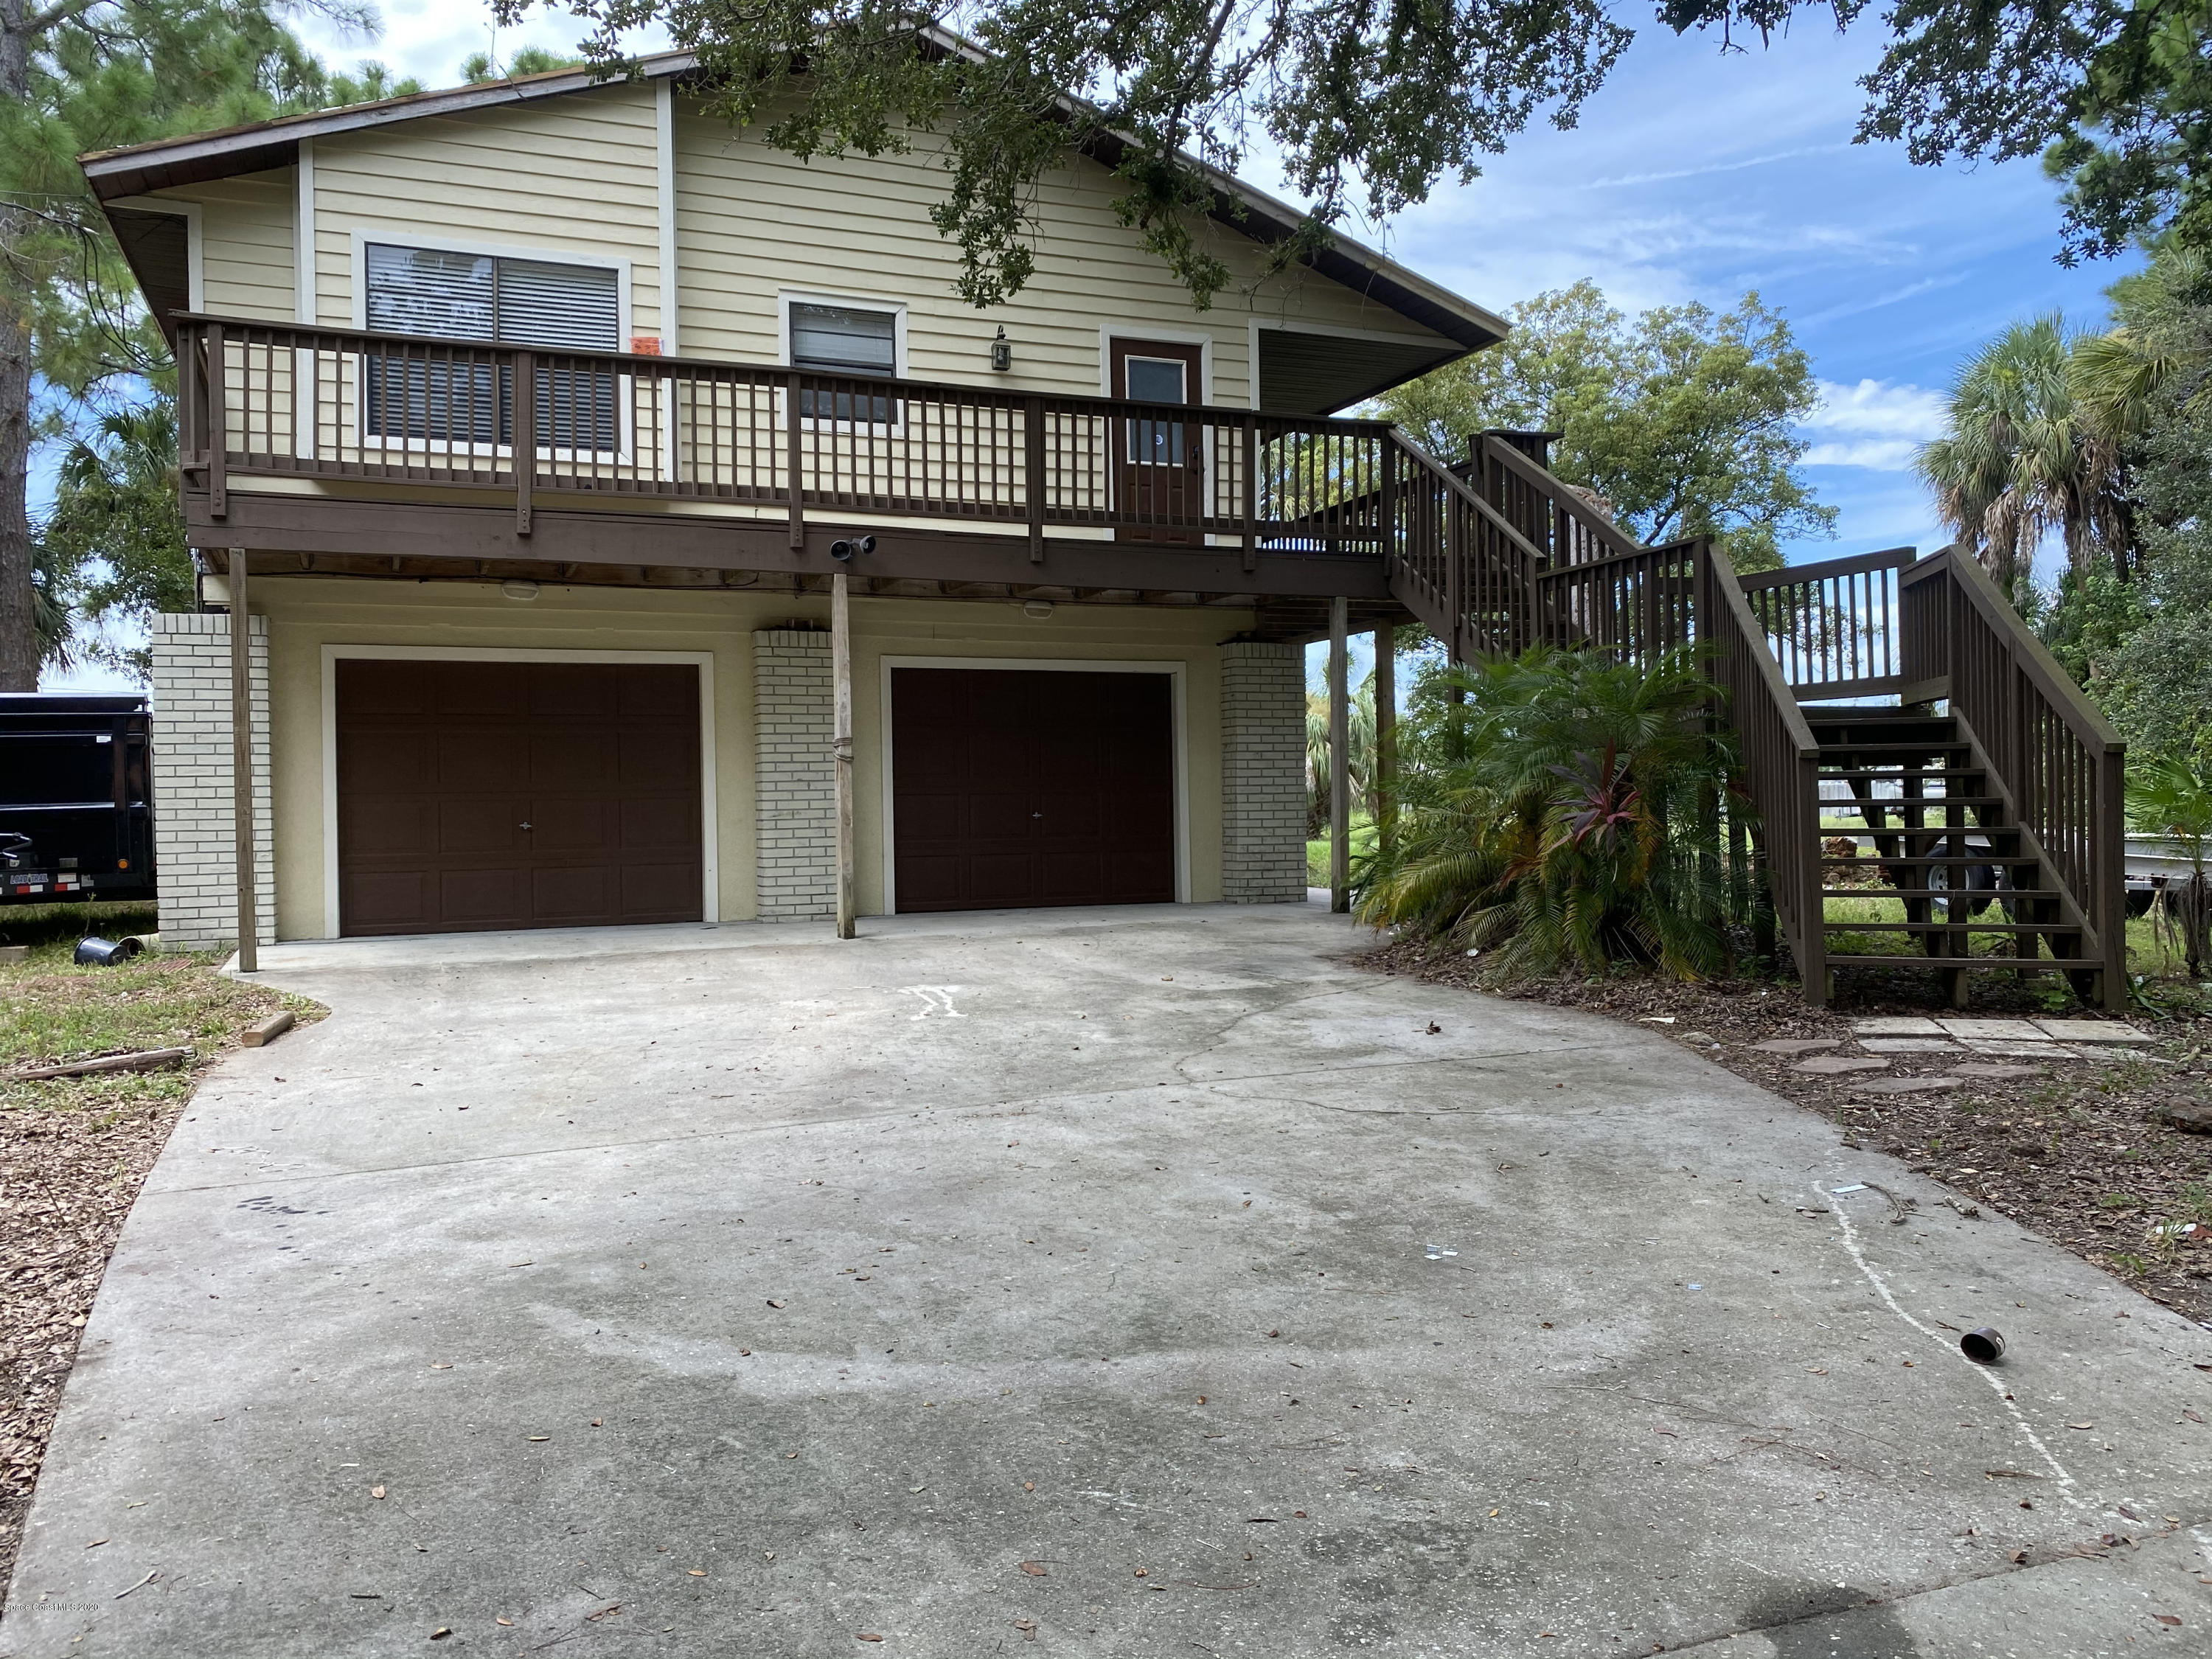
547	305
844	340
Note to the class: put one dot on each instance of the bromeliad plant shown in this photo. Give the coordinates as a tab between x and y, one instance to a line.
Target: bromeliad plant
1557	815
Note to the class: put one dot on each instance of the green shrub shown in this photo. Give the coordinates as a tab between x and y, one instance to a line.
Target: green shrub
1558	813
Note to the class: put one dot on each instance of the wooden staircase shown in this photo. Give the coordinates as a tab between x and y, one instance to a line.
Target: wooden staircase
1894	718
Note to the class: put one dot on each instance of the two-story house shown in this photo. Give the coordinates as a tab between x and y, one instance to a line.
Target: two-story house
1093	526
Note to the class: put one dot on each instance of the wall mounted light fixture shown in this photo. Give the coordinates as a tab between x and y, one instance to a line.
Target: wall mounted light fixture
1002	352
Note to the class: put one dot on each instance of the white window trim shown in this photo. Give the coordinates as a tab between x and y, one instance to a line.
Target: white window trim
625	438
1178	724
787	297
710	902
195	240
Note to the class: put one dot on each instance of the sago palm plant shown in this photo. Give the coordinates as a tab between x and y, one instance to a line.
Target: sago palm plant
1556	815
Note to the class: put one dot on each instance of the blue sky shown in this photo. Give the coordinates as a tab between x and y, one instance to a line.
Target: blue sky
1693	174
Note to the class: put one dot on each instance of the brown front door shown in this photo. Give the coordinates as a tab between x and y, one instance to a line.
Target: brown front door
1014	787
477	795
1159	477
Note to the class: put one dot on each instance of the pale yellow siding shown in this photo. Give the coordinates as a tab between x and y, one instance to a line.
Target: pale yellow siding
577	174
245	239
308	613
753	221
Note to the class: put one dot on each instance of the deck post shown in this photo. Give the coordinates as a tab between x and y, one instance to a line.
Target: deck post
1340	760
841	674
1385	762
242	762
792	469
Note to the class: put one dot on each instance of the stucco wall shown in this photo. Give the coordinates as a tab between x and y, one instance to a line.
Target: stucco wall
306	613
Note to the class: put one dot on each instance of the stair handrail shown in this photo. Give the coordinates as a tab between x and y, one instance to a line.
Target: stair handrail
2070	799
1781	759
1563	498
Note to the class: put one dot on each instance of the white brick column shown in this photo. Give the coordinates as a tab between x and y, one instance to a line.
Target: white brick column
196	861
795	858
1263	773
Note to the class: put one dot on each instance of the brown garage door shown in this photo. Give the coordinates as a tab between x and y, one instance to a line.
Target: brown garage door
497	794
1018	787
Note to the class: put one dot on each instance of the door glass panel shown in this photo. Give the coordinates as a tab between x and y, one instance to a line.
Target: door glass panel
1155	380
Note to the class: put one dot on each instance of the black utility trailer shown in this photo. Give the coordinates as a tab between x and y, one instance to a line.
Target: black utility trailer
76	798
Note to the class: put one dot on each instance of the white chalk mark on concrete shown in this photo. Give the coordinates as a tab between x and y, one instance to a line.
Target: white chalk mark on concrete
935	999
1996	1382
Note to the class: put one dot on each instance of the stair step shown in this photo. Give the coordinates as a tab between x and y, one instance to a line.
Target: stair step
1883	774
2070	929
1906	803
1930	747
2025	964
1944	859
1933	894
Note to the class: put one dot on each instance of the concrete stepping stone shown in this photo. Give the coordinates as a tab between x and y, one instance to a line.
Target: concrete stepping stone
2009	1050
1994	1031
2092	1030
1835	1065
1996	1068
1910	1085
1795	1045
1896	1025
1909	1045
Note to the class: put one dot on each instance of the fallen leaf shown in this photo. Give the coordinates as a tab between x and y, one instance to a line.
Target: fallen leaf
535	1438
607	1612
1036	1570
1297	1515
440	1367
2080	1426
1143	1572
1201	1399
443	1631
867	1635
595	1422
2191	1415
2167	1619
96	1543
376	1492
1027	1627
775	1301
503	1619
696	1573
1434	1028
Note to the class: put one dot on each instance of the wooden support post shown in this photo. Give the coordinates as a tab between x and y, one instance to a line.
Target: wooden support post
241	763
1340	760
1386	734
1036	486
525	437
792	471
217	427
841	671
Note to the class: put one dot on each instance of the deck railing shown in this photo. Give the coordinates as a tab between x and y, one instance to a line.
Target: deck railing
263	399
2059	761
1834	626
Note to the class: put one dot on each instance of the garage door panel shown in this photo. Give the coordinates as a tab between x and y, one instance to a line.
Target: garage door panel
656	758
929	881
1000	881
574	757
924	821
469	691
396	901
480	897
477	757
658	892
566	691
573	896
657	824
996	816
440	763
472	826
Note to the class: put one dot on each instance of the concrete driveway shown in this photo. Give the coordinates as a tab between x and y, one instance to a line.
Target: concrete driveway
1129	1283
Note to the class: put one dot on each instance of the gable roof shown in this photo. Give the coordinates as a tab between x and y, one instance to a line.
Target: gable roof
259	146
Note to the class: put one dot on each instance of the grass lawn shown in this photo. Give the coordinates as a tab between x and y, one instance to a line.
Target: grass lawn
1363	840
74	1151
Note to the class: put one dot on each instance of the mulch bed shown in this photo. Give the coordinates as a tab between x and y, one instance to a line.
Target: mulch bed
2072	1151
72	1160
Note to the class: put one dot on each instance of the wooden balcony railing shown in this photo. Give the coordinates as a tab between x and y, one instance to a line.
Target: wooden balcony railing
1834	626
271	399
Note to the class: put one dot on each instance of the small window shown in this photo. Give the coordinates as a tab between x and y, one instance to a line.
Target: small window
449	295
844	340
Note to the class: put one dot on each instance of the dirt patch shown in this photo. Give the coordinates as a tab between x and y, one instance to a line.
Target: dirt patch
2072	1149
74	1152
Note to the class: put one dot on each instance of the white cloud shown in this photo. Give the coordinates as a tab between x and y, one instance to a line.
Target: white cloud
428	38
1875	424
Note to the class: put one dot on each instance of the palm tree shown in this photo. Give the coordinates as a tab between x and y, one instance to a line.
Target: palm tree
1361	723
2020	460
